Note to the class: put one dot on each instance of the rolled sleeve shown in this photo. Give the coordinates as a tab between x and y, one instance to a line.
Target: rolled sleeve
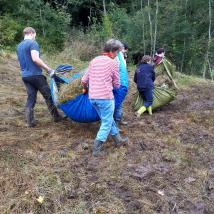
34	46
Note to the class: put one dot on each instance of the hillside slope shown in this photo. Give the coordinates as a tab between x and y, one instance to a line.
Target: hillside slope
167	166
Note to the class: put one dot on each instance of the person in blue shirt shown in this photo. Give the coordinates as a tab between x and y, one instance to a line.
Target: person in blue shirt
144	78
31	65
121	93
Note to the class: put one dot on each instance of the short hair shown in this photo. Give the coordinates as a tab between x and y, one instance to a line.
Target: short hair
145	59
160	50
125	45
112	45
28	30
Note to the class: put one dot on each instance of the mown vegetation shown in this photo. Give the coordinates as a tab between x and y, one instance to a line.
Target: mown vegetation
184	28
168	164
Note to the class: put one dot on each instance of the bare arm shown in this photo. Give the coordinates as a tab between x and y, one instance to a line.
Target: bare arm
85	78
36	59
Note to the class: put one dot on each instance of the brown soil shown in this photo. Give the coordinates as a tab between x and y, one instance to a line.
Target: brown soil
167	166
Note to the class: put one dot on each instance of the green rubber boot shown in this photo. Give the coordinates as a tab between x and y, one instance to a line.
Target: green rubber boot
149	109
140	111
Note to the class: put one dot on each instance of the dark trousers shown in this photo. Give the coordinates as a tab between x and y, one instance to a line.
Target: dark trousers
39	83
147	96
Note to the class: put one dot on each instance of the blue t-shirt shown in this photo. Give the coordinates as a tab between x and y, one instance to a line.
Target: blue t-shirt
28	67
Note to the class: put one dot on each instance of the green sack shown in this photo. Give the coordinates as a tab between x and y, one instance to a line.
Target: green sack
161	96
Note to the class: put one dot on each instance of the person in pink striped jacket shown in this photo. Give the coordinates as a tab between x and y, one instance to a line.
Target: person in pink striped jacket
102	76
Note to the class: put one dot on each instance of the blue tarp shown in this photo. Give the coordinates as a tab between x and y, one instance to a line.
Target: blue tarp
79	109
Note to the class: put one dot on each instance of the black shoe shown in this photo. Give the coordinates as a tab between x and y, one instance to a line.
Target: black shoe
121	122
30	117
31	125
58	118
97	148
124	123
118	140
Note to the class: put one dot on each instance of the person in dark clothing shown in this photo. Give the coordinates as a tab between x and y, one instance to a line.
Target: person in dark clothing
144	78
31	70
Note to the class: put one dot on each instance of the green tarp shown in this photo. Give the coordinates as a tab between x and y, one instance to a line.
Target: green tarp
161	96
165	86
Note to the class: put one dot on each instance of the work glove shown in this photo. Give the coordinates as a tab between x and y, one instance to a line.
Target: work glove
51	73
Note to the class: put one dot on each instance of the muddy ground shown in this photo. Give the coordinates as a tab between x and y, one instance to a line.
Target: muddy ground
167	166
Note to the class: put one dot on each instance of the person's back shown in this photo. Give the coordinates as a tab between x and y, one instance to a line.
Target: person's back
102	72
121	93
28	67
123	70
144	76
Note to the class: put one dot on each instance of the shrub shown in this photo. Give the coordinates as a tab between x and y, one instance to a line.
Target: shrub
9	31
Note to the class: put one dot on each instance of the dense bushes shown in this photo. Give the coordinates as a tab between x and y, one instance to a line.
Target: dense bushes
50	24
181	27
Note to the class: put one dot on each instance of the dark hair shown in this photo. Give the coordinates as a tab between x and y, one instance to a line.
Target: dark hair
145	59
125	45
28	30
112	45
160	50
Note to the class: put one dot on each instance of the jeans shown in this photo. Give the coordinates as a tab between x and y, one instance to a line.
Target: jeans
105	110
39	83
120	95
147	96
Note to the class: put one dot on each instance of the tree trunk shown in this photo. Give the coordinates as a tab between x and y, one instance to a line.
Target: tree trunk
150	24
207	65
156	24
104	7
144	41
41	19
209	40
184	47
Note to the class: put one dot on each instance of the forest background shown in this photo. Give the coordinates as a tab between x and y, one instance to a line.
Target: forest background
183	27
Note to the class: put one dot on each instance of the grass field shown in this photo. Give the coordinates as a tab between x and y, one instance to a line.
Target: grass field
167	166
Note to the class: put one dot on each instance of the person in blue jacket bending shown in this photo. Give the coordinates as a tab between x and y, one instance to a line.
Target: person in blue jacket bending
144	78
124	84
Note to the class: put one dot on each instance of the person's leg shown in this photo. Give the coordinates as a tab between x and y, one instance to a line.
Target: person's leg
44	89
118	113
108	125
143	108
106	111
99	141
31	101
149	100
120	95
